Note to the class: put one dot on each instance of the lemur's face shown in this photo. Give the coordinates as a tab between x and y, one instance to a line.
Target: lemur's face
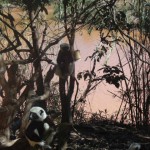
37	114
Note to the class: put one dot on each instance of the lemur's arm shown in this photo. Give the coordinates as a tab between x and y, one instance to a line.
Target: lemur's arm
46	126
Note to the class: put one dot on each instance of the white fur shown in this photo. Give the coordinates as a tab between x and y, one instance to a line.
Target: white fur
135	146
33	143
41	113
36	132
46	126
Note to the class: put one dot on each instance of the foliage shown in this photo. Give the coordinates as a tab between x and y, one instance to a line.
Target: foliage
35	3
113	75
23	56
28	52
27	2
118	22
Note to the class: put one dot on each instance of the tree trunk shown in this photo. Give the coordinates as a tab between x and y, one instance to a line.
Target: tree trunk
65	102
36	57
65	96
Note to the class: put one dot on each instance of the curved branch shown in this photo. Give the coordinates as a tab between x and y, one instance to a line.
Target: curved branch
131	38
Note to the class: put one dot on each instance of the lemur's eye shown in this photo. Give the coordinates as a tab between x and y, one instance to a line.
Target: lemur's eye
41	112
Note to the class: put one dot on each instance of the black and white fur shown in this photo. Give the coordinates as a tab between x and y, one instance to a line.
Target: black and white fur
37	127
65	61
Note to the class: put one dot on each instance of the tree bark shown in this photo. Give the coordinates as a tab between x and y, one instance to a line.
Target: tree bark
36	57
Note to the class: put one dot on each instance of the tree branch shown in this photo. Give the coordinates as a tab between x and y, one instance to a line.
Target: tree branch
131	38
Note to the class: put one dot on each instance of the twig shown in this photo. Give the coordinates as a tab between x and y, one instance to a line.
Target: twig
147	50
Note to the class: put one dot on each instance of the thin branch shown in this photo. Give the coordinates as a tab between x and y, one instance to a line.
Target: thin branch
25	61
40	98
44	36
131	38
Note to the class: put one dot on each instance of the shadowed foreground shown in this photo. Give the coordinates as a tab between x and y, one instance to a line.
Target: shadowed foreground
100	136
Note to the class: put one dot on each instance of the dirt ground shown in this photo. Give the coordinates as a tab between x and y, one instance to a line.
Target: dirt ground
97	136
105	136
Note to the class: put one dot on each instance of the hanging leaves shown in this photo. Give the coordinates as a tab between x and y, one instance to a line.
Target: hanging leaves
85	75
34	4
113	75
98	53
